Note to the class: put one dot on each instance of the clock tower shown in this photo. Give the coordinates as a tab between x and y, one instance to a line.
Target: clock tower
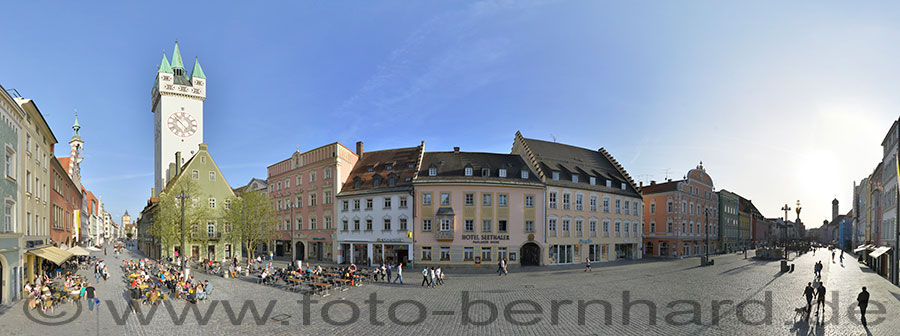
177	105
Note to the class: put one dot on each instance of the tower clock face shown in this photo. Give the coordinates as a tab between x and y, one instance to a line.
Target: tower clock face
182	124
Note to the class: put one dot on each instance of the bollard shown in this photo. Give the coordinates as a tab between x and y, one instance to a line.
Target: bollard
784	266
792	268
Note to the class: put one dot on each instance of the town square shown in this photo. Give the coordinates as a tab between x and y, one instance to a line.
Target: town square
485	167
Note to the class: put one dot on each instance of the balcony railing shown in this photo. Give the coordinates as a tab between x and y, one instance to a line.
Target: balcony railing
214	235
443	235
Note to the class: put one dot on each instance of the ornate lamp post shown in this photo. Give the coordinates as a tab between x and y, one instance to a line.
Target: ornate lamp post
706	215
291	206
182	196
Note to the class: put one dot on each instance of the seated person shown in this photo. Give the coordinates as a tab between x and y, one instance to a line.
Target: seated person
154	295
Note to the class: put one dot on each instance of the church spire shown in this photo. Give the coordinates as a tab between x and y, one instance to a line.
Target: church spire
197	71
176	58
164	66
76	127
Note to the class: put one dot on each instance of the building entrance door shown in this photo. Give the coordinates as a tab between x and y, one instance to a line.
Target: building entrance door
320	249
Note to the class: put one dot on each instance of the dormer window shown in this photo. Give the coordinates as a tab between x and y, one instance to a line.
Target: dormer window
502	172
389	167
357	182
593	180
485	172
376	182
609	183
371	169
432	171
469	171
574	177
410	165
524	174
392	181
555	175
623	185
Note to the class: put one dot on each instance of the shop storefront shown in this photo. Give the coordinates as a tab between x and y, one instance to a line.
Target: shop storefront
387	251
564	254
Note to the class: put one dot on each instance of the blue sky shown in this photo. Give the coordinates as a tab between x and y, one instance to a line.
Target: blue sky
780	100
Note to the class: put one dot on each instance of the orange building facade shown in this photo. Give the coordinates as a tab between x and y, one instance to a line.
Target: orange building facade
675	213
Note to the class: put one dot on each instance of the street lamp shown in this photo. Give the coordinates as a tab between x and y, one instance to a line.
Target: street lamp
706	216
182	197
291	206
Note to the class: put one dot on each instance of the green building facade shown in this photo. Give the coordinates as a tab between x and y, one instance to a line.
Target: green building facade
729	220
208	241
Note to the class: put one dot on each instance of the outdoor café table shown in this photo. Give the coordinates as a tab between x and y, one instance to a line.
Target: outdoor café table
323	286
332	274
294	282
344	282
316	276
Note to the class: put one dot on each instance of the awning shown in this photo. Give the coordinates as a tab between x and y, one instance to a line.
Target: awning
879	251
79	251
52	253
859	249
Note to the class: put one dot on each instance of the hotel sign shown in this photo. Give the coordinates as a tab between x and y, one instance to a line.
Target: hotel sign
485	238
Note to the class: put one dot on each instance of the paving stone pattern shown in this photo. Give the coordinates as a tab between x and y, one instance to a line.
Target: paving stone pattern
672	286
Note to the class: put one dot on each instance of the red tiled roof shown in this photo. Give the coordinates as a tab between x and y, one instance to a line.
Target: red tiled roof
402	164
659	187
64	162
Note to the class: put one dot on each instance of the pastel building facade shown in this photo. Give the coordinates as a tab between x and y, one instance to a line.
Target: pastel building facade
34	182
477	208
12	118
676	214
375	213
593	207
303	189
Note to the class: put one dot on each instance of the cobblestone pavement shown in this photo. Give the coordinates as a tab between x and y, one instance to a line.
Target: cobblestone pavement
760	301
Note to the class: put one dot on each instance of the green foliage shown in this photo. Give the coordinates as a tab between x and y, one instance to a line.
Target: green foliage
252	218
166	220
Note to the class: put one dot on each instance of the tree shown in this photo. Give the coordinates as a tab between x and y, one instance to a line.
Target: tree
166	220
252	218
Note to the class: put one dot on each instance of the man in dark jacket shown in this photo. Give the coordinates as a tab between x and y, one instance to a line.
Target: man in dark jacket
863	300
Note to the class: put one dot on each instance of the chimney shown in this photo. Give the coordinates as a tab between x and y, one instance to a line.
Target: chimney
641	184
177	163
456	149
359	148
652	182
670	180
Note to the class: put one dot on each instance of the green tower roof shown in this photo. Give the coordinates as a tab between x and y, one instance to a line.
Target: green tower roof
176	58
197	72
76	127
164	67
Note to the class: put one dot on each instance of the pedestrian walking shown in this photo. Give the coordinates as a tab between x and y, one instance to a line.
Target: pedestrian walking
424	277
91	295
808	293
863	301
440	276
587	264
500	267
820	299
389	273
432	276
832	256
399	273
383	270
505	264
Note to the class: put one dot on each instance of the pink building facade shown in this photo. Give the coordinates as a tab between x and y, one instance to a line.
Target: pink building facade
477	208
303	189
